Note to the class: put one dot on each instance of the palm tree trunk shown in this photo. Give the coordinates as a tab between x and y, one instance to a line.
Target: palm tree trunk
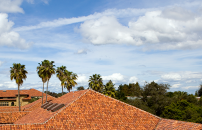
47	90
62	90
42	93
19	96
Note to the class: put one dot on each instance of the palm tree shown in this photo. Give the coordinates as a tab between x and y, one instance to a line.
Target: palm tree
95	83
50	70
70	80
61	75
47	70
109	89
18	73
41	73
180	95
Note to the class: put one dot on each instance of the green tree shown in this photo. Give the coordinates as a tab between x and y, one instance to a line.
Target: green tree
47	69
192	99
155	96
200	101
183	110
95	83
18	73
131	89
124	89
109	89
80	88
200	91
61	75
140	104
135	89
41	73
70	80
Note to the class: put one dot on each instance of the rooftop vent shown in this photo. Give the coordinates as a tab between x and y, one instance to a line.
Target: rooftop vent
47	105
57	107
44	104
51	106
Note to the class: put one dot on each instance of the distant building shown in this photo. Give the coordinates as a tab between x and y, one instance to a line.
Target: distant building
135	97
198	98
10	97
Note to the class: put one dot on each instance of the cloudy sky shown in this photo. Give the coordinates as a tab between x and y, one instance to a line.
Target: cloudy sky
126	41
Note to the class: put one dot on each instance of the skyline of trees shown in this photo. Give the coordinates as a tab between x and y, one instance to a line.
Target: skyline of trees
152	97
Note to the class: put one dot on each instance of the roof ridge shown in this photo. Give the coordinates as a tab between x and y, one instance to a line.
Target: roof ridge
126	104
67	105
158	123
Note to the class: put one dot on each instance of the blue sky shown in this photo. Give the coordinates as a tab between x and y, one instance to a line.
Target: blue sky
126	41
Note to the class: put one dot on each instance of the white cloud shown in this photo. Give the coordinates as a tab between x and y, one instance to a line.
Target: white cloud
32	1
164	30
1	62
11	6
133	79
176	85
82	51
107	30
10	84
115	77
190	87
82	79
186	76
45	1
8	37
121	13
171	76
178	13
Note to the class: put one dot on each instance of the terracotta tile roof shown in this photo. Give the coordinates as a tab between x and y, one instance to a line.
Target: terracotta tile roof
22	92
92	110
88	109
43	115
8	108
11	117
34	105
10	114
68	98
13	93
8	93
33	92
179	125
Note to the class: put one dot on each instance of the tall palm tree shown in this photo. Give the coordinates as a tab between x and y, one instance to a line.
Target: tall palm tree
95	83
61	75
41	73
50	70
70	80
18	73
109	89
47	70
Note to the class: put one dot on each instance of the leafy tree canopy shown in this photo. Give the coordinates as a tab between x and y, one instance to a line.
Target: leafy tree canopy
80	88
183	110
96	83
109	89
